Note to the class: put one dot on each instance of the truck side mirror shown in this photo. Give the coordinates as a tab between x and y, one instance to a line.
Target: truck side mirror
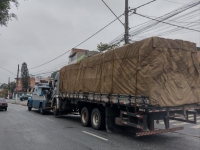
50	84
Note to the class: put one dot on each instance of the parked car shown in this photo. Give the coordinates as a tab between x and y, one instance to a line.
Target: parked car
3	104
24	97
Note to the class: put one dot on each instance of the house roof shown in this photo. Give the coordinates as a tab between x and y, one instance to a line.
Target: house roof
91	53
76	50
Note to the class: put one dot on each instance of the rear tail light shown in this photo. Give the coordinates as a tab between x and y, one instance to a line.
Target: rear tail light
5	104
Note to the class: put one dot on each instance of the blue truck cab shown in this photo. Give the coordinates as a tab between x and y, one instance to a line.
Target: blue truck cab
40	99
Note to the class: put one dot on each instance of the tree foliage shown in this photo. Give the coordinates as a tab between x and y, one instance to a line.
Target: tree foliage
5	16
4	93
104	46
3	90
3	86
25	79
12	86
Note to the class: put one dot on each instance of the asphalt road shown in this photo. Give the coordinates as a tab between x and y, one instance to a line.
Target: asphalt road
24	130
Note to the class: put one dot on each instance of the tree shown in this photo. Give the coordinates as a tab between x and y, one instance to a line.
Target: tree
3	86
12	86
103	47
5	16
25	79
4	90
4	93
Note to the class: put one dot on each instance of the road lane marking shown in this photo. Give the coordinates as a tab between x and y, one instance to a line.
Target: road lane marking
196	127
172	121
181	123
50	119
95	135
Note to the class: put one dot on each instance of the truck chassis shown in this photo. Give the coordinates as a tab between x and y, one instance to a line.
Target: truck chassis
117	112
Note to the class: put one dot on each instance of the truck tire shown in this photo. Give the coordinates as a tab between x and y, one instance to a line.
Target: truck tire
85	116
55	110
41	110
29	108
5	109
97	119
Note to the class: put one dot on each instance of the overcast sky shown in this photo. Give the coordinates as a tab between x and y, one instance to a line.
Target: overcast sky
48	28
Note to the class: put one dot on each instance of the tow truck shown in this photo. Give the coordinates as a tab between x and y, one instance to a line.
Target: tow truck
40	99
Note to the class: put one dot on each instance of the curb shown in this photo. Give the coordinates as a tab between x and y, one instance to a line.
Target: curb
19	104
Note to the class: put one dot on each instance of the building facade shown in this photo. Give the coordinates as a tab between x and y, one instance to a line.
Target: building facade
19	90
19	84
78	54
40	79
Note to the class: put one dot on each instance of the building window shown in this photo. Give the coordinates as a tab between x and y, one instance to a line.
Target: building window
73	58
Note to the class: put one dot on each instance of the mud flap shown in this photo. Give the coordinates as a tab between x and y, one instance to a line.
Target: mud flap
110	115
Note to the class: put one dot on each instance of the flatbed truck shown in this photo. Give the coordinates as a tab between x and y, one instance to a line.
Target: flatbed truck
114	113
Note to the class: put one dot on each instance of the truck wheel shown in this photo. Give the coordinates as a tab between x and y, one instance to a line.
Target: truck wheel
85	116
55	110
29	108
5	109
41	110
96	119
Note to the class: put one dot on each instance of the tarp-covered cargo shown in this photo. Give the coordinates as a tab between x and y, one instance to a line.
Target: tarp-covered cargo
165	70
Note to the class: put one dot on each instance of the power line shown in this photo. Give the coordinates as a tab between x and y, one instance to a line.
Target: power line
78	44
49	68
57	67
45	73
143	5
174	2
89	37
113	12
7	70
167	22
149	24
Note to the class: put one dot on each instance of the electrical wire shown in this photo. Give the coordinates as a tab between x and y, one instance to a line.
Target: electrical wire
113	12
174	2
143	5
148	25
152	23
89	37
7	70
77	45
166	22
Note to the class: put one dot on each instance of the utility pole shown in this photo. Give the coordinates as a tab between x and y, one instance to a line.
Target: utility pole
17	83
126	25
9	88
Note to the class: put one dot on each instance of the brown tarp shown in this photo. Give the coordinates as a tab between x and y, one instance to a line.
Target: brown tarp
165	70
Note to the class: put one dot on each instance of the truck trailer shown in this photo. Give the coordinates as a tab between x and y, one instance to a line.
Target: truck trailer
133	86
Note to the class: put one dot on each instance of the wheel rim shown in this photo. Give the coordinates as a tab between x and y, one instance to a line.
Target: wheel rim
84	117
54	108
95	119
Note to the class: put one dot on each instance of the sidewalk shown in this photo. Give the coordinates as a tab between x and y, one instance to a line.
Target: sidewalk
18	102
